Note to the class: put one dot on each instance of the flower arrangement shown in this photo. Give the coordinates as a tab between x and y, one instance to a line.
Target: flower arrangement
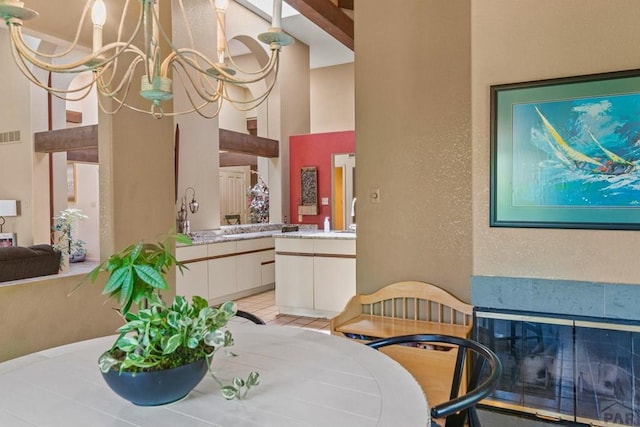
258	198
63	239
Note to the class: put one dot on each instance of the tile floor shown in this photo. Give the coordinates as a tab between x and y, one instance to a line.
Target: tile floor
263	306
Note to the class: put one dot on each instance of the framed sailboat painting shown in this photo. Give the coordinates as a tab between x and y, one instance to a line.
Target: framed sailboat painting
565	153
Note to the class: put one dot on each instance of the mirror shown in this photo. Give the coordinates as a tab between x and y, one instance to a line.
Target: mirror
343	191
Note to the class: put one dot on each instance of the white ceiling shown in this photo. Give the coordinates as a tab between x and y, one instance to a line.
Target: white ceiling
324	50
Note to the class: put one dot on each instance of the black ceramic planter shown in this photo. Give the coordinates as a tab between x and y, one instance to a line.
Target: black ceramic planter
156	387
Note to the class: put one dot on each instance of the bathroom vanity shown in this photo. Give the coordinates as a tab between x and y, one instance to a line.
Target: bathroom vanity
315	272
223	267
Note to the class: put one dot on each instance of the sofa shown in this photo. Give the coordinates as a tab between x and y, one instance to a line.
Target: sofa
18	262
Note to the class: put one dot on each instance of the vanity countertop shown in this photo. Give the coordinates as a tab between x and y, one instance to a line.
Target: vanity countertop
245	232
318	234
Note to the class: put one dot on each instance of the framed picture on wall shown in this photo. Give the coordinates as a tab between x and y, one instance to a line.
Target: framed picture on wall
565	153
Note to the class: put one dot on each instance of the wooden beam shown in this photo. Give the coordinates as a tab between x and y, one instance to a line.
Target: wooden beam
70	139
345	4
236	159
89	155
237	142
74	116
326	15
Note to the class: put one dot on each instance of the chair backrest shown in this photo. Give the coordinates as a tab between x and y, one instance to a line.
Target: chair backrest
460	407
249	316
409	300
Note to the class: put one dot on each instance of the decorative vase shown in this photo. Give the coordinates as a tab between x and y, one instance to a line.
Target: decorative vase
155	388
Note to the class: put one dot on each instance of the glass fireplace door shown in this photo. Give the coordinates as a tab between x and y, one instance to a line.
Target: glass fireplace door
537	355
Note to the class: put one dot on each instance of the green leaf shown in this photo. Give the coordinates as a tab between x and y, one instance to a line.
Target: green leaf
135	251
183	238
126	290
170	345
115	280
238	382
215	338
253	379
230	308
150	276
127	344
229	392
173	319
193	342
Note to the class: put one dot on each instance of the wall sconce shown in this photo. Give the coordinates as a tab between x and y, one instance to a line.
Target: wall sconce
183	214
7	208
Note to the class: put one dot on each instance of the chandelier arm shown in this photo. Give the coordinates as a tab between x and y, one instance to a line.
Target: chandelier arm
181	71
59	93
256	102
125	81
73	45
206	101
75	67
257	75
181	55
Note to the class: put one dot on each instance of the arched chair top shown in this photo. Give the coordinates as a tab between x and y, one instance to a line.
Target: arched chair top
464	404
249	316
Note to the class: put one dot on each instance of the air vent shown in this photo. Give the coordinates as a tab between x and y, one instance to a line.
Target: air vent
9	137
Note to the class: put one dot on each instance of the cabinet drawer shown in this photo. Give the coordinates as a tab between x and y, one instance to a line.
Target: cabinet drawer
295	245
186	253
255	244
335	246
222	248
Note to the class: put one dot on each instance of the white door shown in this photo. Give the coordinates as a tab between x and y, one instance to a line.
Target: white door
233	193
348	164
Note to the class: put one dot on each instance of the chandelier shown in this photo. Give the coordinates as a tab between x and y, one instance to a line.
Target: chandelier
116	64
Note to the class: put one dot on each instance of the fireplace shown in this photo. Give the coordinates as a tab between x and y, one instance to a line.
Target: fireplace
563	365
564	369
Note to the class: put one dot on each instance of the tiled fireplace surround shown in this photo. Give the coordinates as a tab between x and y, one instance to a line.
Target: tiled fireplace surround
564	299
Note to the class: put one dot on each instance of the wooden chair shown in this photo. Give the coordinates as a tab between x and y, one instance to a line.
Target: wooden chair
409	308
461	406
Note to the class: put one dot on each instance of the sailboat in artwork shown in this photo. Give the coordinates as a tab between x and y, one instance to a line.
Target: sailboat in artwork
612	165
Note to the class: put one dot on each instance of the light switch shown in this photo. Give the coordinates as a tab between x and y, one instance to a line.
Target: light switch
374	195
325	201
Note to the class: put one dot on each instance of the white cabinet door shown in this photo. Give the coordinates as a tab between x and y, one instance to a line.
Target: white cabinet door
268	268
222	277
193	281
294	281
222	269
249	271
334	283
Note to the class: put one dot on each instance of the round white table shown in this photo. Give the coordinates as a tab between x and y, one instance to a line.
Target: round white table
307	379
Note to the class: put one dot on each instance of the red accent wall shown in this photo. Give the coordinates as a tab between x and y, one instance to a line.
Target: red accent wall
316	150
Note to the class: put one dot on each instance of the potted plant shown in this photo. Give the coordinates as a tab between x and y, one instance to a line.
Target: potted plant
159	340
63	239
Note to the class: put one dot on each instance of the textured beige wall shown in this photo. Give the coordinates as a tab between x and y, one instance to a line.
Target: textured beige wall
538	39
15	157
332	98
32	317
413	142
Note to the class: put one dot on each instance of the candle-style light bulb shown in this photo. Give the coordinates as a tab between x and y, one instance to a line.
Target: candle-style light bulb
98	17
276	18
99	13
222	5
221	13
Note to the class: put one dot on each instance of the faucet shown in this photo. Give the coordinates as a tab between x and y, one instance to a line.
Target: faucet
352	226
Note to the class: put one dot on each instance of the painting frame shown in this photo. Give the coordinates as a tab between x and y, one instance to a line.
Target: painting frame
553	162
